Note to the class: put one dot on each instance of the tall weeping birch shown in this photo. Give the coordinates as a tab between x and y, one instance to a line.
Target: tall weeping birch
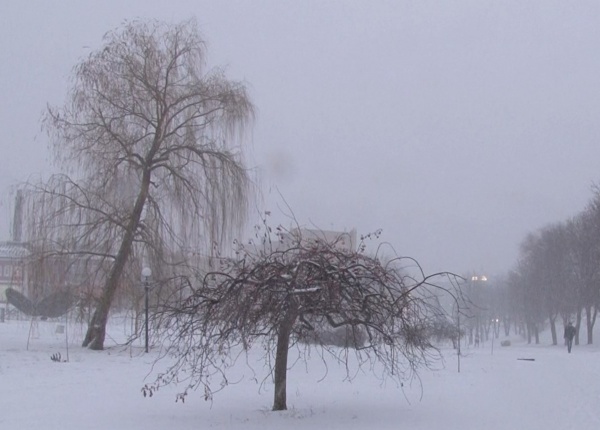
150	142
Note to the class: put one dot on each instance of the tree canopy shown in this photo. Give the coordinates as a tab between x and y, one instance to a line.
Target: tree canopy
149	143
293	292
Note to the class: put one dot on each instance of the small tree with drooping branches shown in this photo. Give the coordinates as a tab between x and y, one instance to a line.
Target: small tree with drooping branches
281	293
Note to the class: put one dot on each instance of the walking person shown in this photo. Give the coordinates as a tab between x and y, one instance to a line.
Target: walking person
569	335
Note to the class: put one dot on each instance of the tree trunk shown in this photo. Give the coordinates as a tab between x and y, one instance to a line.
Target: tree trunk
552	319
96	332
486	326
281	359
590	321
577	326
506	322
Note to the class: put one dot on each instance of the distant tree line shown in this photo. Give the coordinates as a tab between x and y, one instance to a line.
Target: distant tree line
556	279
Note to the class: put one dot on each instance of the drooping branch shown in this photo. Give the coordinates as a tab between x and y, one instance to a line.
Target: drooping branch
289	292
150	141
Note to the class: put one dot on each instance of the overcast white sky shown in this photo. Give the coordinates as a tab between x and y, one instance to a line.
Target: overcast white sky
456	126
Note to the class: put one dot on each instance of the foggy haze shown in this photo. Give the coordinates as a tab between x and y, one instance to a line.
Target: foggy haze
457	127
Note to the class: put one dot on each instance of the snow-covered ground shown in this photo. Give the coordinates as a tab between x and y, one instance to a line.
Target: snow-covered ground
102	390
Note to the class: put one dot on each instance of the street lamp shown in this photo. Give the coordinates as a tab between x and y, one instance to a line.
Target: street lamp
146	273
475	296
458	327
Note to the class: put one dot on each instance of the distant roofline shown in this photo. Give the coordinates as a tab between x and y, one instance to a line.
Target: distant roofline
11	249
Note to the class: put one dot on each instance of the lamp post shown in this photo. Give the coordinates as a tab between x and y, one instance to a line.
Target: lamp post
458	327
478	297
458	323
146	273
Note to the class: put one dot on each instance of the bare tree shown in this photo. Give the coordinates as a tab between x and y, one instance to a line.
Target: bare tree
558	273
149	142
526	291
546	269
289	293
584	232
558	295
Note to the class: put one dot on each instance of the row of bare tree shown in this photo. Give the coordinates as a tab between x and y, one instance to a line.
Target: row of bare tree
557	277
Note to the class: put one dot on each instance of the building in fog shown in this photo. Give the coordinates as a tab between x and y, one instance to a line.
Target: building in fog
13	261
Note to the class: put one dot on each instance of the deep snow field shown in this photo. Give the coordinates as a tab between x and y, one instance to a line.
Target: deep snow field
102	390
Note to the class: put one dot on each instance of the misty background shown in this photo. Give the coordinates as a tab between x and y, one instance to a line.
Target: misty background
457	127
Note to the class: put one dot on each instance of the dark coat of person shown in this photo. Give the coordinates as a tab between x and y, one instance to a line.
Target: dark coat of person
569	332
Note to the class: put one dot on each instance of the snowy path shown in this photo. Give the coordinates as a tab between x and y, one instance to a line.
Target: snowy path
556	391
101	390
